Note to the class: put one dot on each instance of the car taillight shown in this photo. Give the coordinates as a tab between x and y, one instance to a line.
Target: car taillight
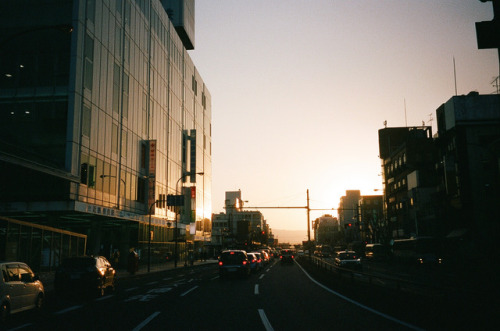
259	260
220	263
292	257
245	262
281	256
253	261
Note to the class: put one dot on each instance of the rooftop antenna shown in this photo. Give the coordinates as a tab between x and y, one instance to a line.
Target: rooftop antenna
496	84
455	75
430	119
406	121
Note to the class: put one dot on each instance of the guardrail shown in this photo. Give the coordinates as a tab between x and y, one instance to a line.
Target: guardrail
432	288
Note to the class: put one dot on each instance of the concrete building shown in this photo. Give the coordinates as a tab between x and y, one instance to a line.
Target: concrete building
238	227
469	168
348	215
372	223
408	157
326	229
102	113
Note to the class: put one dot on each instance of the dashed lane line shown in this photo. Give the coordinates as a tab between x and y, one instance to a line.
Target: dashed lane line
68	310
188	291
265	321
146	321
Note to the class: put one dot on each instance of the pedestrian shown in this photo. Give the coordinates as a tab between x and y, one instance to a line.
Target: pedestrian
116	258
133	261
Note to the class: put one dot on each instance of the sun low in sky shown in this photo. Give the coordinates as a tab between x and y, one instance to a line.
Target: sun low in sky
301	88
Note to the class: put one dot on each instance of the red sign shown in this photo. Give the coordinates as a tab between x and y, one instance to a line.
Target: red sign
152	175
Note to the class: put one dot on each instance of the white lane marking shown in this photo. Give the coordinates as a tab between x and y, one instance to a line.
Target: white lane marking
192	289
268	269
131	289
20	327
413	327
189	281
67	310
168	278
256	290
152	283
265	321
146	321
160	290
215	278
104	298
261	276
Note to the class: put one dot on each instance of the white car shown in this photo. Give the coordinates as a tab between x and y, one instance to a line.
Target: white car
20	289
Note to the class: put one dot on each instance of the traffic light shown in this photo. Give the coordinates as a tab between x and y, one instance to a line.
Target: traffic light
175	200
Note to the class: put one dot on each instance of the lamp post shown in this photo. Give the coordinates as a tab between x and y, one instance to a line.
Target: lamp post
176	220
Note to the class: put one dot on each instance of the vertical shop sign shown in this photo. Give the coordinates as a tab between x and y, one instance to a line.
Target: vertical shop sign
152	174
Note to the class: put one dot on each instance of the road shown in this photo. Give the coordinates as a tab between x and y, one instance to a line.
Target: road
280	297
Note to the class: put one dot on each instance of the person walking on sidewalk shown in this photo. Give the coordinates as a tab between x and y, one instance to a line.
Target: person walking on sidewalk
133	261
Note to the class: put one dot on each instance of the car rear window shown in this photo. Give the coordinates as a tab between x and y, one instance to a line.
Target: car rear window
79	262
347	256
232	257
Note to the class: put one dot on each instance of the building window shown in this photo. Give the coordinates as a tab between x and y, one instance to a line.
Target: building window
87	171
114	139
194	85
124	143
91	10
89	62
86	120
116	88
125	95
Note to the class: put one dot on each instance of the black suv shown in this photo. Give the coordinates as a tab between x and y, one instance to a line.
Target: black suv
287	255
234	262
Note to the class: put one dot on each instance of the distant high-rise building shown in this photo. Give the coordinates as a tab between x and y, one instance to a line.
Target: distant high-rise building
102	113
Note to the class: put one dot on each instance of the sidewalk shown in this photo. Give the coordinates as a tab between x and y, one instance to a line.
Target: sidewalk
47	278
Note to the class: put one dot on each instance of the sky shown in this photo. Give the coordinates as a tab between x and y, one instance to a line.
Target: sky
300	89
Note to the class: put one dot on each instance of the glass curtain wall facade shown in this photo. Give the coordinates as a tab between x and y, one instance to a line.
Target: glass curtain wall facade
120	96
157	94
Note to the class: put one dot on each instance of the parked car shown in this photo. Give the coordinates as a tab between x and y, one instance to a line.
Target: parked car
287	256
255	264
20	289
348	260
92	274
234	262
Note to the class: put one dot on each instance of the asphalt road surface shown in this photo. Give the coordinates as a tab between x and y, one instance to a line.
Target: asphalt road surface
279	297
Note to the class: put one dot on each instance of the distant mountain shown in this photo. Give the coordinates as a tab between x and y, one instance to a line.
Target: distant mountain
290	236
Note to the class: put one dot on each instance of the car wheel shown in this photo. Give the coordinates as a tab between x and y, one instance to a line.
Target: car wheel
4	312
39	301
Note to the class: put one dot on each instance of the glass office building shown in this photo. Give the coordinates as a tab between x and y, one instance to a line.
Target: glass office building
103	113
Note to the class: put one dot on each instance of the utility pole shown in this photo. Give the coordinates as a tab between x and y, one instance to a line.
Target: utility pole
308	219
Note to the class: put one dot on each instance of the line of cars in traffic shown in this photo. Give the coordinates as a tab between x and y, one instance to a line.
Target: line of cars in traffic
21	289
243	263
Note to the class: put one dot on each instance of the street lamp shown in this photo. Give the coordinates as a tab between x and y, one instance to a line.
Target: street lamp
176	220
